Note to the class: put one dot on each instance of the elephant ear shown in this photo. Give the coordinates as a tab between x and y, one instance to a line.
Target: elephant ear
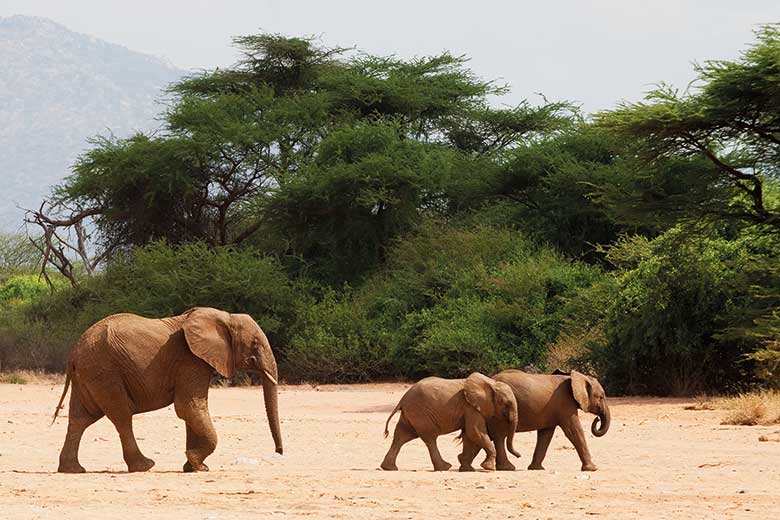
580	388
479	392
208	334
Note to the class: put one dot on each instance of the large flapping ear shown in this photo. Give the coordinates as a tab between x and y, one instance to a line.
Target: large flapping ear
479	391
208	334
580	388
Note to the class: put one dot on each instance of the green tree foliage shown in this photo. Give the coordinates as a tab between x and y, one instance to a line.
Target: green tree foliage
233	138
726	129
551	188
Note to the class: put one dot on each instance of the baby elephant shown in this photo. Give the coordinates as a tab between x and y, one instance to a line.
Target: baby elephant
436	406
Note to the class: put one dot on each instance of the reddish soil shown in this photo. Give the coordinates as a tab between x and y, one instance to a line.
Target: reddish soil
657	461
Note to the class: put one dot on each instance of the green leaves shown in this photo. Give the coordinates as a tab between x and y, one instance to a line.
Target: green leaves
730	118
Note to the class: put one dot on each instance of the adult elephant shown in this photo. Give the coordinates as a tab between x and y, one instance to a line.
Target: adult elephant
545	401
126	364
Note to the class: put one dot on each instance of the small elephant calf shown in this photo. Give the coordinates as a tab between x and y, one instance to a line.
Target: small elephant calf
436	406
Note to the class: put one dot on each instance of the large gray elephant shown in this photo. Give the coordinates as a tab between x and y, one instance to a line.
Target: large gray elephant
543	403
126	364
436	406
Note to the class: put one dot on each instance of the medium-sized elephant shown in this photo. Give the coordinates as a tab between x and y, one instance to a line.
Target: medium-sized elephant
436	406
543	403
126	364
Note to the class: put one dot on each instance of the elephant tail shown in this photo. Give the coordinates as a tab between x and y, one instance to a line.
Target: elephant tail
387	423
64	392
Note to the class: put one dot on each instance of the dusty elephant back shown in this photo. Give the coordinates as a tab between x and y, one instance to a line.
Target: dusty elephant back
435	401
537	396
132	349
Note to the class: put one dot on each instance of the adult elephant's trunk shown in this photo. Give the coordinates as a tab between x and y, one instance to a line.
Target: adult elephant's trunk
604	418
510	438
272	410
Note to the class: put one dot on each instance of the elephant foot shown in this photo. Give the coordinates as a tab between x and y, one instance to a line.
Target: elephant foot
140	465
489	465
442	467
505	466
71	467
589	467
389	466
535	467
466	468
191	468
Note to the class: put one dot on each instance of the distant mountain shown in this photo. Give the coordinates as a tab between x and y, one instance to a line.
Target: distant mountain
57	89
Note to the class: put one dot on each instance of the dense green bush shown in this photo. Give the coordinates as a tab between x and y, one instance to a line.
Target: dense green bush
22	288
336	340
673	300
450	301
492	299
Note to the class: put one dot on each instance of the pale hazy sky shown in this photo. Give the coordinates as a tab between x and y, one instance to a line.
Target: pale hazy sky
594	52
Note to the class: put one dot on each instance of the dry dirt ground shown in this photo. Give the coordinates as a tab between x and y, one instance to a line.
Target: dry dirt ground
657	461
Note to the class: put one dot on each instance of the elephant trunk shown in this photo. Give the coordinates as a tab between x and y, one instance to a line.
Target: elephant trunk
272	410
604	418
510	438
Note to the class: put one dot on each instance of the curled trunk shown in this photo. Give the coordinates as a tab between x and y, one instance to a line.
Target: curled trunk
272	410
600	429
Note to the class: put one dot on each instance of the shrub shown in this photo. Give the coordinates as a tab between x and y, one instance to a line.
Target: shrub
458	300
673	295
22	288
337	341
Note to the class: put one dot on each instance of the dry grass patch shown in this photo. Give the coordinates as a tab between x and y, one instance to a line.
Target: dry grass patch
31	377
760	407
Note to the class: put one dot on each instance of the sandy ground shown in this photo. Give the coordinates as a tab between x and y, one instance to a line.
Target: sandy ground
657	461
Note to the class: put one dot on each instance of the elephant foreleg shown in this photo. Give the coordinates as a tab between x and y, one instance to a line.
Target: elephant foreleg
573	430
403	434
498	433
476	431
201	436
466	457
543	438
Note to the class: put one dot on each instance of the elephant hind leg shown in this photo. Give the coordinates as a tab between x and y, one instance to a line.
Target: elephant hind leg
135	460
543	438
79	419
439	464
118	407
403	434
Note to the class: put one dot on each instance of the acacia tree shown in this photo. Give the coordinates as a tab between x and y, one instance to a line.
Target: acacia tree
233	140
723	134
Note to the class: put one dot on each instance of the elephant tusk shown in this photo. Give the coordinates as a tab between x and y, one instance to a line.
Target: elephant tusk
269	376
